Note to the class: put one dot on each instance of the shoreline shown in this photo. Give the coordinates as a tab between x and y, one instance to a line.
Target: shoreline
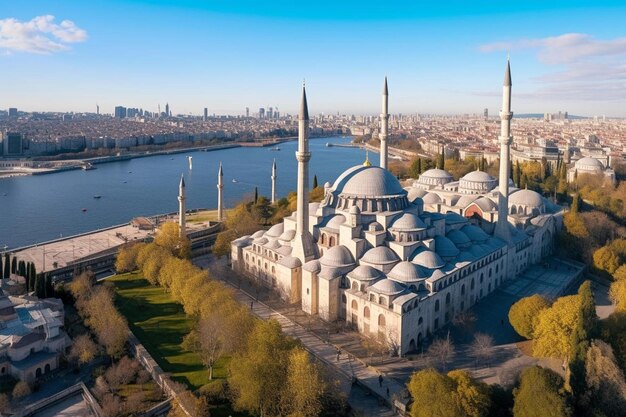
75	164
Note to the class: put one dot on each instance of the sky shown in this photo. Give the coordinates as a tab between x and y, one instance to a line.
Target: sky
440	57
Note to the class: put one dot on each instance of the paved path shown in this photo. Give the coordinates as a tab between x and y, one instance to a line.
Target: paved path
345	363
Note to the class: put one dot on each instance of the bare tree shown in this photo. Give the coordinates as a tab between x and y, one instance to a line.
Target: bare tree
481	347
442	351
210	338
465	320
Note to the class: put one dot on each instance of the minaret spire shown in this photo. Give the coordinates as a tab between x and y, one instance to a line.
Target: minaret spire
220	195
303	246
181	207
274	181
384	126
505	139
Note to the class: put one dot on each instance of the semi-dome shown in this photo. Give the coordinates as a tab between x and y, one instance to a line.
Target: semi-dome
387	287
527	198
338	256
477	182
415	193
475	233
368	181
431	198
589	164
445	248
459	238
364	273
290	262
407	222
335	221
407	272
380	255
427	259
287	235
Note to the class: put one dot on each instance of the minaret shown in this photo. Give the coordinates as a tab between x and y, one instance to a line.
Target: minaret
384	127
220	195
274	182
181	207
303	245
505	139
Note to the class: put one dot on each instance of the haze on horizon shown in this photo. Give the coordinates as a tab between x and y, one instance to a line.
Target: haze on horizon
442	58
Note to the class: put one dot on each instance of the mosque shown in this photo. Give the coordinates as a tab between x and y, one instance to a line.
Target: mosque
399	263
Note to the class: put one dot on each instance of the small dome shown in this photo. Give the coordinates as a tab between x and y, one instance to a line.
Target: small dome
431	198
408	221
335	221
415	193
478	176
375	227
435	177
290	262
486	204
387	287
459	238
272	244
258	234
276	230
260	241
454	218
337	256
465	201
475	233
313	266
428	259
589	164
364	273
527	198
406	272
380	255
444	247
287	235
477	182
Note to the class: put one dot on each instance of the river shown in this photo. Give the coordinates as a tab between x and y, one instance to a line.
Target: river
43	207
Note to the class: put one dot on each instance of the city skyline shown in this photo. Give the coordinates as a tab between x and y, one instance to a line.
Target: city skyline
193	55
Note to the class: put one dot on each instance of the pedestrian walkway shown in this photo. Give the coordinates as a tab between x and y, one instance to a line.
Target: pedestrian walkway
388	390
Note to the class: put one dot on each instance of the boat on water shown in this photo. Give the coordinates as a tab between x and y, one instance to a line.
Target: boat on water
97	197
275	148
88	167
189	158
329	144
83	210
234	180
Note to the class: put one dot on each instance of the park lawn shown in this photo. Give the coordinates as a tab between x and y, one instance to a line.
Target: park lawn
160	324
203	216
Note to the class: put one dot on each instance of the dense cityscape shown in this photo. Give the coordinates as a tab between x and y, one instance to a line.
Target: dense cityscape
452	244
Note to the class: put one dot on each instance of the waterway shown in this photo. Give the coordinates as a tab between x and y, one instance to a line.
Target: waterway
44	207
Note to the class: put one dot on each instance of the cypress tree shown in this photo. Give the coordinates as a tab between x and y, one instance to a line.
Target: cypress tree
256	194
14	265
419	166
575	204
315	181
27	277
38	280
441	160
33	275
21	268
1	270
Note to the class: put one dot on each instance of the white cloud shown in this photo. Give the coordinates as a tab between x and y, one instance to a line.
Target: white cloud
40	35
589	69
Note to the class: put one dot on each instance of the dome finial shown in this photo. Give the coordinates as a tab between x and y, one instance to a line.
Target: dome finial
367	162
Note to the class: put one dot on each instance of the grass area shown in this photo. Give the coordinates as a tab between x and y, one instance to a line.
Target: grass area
203	216
160	324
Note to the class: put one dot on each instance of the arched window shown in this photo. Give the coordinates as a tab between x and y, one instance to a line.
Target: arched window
381	320
331	241
496	268
420	321
355	285
481	277
472	284
437	305
355	305
343	298
366	312
381	300
323	240
447	299
463	289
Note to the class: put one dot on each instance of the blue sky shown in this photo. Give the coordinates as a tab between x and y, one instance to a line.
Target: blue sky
226	55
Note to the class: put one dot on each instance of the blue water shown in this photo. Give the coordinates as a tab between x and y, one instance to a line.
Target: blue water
44	207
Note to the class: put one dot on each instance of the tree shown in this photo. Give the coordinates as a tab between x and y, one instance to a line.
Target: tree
416	168
83	349
126	259
517	172
524	313
315	181
256	194
481	346
7	266
442	351
21	389
606	388
606	260
433	395
207	340
575	204
620	273
14	265
441	159
304	386
169	238
263	209
257	374
538	394
471	396
617	293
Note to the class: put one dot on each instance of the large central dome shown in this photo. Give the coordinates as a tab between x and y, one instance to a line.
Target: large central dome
368	188
368	181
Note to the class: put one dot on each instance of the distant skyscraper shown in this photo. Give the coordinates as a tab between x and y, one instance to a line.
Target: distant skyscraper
486	113
12	112
270	113
97	109
247	111
261	113
206	114
11	144
120	112
167	109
